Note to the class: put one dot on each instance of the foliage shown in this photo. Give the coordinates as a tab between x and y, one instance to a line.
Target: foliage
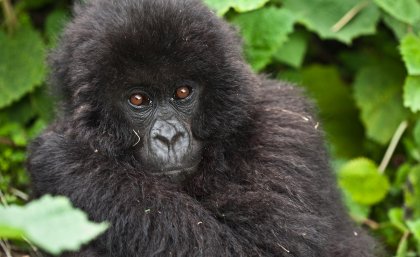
358	59
34	221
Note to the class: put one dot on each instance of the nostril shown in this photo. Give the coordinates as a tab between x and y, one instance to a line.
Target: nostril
162	139
176	137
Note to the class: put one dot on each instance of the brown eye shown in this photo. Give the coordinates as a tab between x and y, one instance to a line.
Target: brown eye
139	100
182	92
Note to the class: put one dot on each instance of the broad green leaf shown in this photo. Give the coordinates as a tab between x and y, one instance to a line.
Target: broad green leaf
264	32
222	6
54	25
400	28
361	179
22	64
412	93
50	223
404	10
337	108
293	51
377	91
396	216
320	16
410	50
414	227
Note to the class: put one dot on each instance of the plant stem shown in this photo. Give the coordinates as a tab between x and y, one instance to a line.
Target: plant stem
9	14
349	16
391	148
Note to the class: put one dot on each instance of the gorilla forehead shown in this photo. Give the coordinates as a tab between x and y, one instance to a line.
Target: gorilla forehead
152	34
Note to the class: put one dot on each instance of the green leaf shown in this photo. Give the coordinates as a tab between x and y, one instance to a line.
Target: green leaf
54	24
417	133
396	216
321	15
293	51
377	91
22	64
361	179
358	211
33	4
412	93
222	6
414	227
337	108
404	10
402	247
264	31
412	192
50	223
410	50
400	28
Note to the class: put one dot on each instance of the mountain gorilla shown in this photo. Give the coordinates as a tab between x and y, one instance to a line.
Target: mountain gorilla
164	132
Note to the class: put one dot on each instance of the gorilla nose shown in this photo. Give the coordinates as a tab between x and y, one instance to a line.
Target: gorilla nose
169	141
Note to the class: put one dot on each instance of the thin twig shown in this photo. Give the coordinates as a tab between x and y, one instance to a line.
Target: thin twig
6	249
9	14
393	145
349	16
3	199
20	194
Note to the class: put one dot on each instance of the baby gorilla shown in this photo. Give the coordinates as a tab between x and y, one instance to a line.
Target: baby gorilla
164	132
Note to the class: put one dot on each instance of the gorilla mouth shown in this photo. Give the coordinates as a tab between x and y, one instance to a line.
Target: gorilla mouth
175	171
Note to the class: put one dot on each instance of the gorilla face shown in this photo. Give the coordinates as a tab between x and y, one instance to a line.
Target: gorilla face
161	119
157	90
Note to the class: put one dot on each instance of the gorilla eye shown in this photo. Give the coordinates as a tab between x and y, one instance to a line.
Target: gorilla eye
182	92
138	99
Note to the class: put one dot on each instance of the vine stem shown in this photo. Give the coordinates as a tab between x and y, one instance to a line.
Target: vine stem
393	145
349	16
9	14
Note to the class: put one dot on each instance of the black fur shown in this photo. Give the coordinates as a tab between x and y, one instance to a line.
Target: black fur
264	186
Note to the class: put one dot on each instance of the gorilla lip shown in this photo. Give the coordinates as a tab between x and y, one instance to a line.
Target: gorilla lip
176	171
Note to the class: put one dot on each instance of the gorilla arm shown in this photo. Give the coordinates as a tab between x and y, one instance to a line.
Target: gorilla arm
147	218
289	206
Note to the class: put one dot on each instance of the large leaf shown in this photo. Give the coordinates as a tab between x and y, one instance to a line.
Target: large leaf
293	51
400	28
410	50
50	223
264	32
361	179
404	10
377	91
321	15
337	108
222	6
412	93
22	64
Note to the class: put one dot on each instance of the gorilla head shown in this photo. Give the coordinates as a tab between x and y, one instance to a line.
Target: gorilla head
162	80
